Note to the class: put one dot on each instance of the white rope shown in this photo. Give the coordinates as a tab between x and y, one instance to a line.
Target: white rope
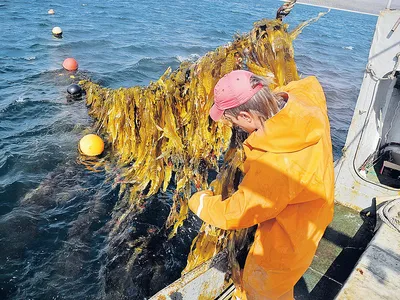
371	71
391	76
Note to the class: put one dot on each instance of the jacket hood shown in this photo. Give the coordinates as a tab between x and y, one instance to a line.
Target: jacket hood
297	126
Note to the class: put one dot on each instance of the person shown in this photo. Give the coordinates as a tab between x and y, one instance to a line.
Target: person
288	184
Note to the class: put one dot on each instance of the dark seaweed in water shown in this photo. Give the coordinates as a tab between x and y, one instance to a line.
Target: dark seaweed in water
142	260
133	262
37	235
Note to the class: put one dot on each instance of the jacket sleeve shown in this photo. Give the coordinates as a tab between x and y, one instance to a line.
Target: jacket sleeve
261	196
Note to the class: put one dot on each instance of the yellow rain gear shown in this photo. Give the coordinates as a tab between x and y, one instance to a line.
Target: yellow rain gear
287	190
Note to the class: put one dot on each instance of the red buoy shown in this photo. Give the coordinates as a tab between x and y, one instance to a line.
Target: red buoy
70	64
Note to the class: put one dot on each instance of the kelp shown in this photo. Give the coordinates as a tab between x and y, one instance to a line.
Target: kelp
161	133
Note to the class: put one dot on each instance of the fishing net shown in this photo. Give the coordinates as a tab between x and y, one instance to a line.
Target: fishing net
161	135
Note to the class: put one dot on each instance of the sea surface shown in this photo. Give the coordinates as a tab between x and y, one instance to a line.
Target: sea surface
54	214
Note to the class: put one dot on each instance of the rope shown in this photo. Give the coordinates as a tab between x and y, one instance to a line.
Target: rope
285	9
390	214
391	76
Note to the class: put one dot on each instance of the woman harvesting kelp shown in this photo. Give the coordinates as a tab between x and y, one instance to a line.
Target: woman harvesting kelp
161	133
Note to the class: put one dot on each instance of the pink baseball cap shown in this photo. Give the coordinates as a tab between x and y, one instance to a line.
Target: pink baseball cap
231	91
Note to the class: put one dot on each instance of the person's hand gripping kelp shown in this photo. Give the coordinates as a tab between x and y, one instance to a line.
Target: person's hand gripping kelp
287	188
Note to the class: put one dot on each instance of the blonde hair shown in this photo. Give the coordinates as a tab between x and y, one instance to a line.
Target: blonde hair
264	103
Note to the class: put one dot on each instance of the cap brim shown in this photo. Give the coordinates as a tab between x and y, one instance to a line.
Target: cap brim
215	113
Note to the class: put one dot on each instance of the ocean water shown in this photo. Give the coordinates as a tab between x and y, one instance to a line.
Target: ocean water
55	216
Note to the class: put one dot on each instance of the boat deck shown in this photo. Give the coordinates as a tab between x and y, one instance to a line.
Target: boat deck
376	275
342	245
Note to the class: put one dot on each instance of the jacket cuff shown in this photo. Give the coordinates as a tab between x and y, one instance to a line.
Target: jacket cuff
196	202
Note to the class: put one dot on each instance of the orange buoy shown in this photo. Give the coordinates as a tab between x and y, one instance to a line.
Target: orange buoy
91	145
51	11
70	64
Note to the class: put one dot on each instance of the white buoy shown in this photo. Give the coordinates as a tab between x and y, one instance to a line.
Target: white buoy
51	11
57	32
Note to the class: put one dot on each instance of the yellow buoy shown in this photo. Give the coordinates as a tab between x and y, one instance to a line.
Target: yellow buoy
91	145
51	11
57	32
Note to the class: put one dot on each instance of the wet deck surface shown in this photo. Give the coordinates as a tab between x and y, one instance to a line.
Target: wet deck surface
342	245
376	275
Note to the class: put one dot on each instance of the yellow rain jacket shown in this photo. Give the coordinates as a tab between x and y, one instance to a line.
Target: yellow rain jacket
287	190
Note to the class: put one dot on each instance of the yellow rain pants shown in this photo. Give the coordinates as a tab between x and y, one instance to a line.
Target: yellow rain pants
287	190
